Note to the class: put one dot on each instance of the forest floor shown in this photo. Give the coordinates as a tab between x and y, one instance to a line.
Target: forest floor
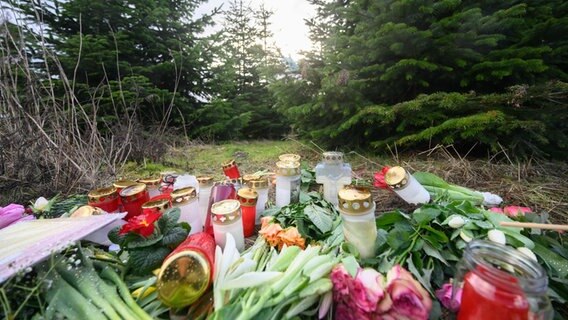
538	184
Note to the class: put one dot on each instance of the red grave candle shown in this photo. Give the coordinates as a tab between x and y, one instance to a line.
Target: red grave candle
133	197
104	198
231	170
247	198
500	282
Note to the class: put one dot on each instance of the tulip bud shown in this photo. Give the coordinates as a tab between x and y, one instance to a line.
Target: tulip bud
497	236
456	222
465	237
527	252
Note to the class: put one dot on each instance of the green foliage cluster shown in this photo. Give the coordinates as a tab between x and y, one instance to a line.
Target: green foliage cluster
416	73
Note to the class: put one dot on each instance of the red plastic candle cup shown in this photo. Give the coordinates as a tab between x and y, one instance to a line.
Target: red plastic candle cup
133	197
247	198
104	198
500	282
188	271
220	191
231	170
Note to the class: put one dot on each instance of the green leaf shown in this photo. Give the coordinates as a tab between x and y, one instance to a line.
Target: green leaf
519	237
350	265
270	212
467	208
483	224
169	219
140	241
175	236
115	237
434	253
439	235
319	218
496	219
425	214
145	260
423	279
399	238
558	264
388	218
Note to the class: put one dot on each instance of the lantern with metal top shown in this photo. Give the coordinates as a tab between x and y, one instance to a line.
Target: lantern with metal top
152	185
220	191
121	184
248	198
205	185
86	211
287	183
105	198
186	200
187	272
334	174
160	205
231	170
260	184
133	197
289	157
226	218
357	210
406	186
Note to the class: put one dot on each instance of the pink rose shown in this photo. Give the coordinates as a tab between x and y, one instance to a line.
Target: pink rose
373	283
342	282
409	299
444	294
514	211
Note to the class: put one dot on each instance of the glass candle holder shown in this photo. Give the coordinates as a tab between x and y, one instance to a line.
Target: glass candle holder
231	170
133	197
260	185
226	218
357	210
152	185
105	198
287	183
161	205
167	180
333	174
186	200
406	186
205	185
499	282
187	272
248	198
220	191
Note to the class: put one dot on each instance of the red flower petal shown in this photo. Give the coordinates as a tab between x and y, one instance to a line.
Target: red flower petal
379	181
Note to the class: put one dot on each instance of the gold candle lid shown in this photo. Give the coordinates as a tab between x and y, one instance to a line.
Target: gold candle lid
183	278
132	192
247	197
229	164
183	195
333	157
102	194
121	184
255	181
355	200
288	168
289	157
226	211
396	177
86	211
161	204
150	181
205	181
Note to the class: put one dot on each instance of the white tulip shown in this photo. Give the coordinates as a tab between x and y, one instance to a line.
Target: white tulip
456	222
40	203
465	237
528	252
497	236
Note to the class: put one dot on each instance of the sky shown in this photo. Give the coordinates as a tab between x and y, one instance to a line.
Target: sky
289	30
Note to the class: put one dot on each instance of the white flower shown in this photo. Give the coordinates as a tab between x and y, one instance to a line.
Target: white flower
465	237
497	236
527	252
456	222
40	204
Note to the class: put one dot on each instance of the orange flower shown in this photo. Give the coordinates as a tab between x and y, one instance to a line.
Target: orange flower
291	237
265	221
270	233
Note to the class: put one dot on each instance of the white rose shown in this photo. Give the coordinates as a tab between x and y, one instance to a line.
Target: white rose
497	236
40	203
